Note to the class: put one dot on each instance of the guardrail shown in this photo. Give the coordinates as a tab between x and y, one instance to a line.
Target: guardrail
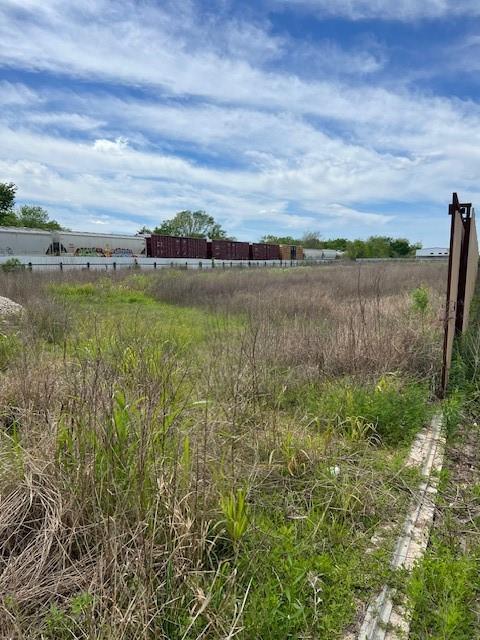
65	263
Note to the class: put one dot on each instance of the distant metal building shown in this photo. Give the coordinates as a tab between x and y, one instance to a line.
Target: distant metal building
432	253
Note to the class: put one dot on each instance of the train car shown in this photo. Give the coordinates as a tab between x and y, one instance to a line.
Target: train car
290	252
228	250
159	246
264	251
273	252
258	251
320	254
20	241
75	243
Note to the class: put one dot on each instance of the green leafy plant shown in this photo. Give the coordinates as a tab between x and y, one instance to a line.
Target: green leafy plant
420	300
235	510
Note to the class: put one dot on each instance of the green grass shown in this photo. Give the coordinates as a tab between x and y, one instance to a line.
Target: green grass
444	591
390	411
126	308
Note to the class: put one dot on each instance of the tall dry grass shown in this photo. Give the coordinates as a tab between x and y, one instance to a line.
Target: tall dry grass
327	321
124	455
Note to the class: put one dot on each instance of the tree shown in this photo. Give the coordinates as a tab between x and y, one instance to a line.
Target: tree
192	224
36	218
144	230
401	247
311	240
340	244
7	200
270	239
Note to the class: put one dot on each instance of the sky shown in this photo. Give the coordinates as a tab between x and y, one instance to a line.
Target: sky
347	117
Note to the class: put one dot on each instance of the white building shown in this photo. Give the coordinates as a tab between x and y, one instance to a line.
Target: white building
432	252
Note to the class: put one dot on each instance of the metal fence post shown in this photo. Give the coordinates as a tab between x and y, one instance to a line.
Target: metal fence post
461	279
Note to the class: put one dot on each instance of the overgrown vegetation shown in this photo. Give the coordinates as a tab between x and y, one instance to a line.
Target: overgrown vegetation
189	455
445	587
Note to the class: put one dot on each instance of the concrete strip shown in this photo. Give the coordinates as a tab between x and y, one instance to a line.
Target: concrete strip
385	620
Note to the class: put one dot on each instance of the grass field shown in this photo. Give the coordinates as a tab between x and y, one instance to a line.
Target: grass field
208	455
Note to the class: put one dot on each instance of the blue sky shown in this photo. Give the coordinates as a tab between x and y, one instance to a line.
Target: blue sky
348	117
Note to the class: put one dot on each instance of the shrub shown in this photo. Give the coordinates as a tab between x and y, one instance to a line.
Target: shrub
13	264
420	299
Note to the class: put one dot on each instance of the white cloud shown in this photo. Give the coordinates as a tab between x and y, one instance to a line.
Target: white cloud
118	146
404	10
71	121
15	94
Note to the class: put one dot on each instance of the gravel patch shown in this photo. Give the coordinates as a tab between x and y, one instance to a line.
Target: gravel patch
8	306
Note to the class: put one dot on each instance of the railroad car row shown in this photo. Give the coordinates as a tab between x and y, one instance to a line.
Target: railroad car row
17	241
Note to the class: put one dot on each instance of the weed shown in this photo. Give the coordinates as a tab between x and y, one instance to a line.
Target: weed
452	411
12	264
235	510
420	300
392	410
443	590
9	347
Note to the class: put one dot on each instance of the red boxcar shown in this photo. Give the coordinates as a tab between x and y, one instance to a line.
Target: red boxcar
273	251
258	251
262	251
176	247
228	250
241	250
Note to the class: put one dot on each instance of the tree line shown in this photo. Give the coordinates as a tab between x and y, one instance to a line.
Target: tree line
31	216
372	247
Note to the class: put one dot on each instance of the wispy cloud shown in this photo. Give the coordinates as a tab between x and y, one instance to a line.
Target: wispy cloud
405	10
125	115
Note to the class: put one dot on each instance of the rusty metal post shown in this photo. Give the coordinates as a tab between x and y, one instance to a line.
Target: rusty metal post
462	273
